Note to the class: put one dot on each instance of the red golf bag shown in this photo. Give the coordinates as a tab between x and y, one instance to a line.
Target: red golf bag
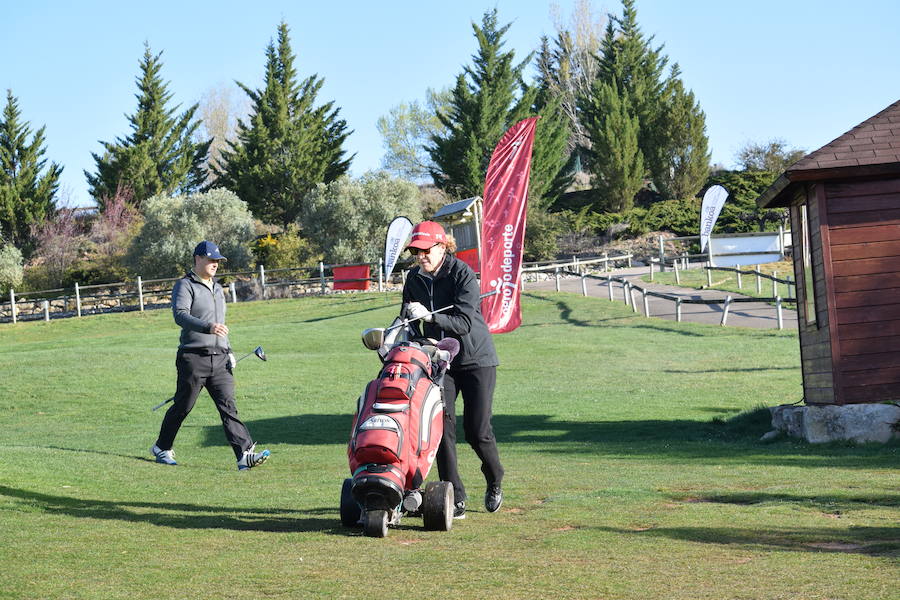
396	432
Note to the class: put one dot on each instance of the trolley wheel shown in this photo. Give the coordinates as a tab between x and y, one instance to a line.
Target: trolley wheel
375	523
437	507
350	510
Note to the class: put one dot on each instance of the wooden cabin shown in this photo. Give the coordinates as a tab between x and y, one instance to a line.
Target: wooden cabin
844	201
462	220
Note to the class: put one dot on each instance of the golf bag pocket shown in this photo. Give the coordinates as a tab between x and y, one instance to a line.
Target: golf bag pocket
404	368
379	439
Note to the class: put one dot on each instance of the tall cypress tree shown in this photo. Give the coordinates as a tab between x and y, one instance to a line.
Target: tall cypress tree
552	165
685	144
27	190
670	125
159	156
488	98
289	145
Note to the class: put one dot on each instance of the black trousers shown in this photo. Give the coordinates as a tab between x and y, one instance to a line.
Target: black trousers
196	371
477	387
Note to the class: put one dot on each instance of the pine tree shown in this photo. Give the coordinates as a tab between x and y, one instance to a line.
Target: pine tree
685	143
490	97
27	189
617	162
670	125
552	165
159	156
289	145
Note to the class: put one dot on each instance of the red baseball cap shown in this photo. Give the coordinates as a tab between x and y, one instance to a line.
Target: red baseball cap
426	234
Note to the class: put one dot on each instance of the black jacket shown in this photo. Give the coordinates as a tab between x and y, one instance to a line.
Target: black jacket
454	284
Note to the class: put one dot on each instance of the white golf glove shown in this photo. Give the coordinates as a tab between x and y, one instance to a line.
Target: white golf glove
231	360
416	310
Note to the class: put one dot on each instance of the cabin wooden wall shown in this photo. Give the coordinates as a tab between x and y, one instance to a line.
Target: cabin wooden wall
815	338
862	225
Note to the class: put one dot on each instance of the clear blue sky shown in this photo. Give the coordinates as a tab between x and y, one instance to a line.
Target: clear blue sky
805	71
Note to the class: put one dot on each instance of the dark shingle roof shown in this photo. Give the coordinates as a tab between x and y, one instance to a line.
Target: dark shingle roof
871	148
872	142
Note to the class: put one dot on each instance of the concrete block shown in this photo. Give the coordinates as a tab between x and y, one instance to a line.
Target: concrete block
859	423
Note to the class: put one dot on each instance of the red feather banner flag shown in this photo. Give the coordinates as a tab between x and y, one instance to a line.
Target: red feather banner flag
503	227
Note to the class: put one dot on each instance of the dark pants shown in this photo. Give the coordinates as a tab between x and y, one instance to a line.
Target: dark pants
196	371
477	387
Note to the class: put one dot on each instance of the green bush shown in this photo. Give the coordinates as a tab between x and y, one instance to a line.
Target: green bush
285	250
542	231
173	225
348	218
681	217
11	269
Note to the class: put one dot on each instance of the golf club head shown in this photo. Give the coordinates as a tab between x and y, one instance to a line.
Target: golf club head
260	353
373	338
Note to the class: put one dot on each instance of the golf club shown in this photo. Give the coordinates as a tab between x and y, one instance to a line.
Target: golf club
259	352
408	321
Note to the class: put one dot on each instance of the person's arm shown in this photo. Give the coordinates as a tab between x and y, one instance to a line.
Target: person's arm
458	319
182	299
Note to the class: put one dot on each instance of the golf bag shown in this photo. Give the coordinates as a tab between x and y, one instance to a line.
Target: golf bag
397	428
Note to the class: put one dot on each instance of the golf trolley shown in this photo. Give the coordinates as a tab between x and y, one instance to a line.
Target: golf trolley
396	433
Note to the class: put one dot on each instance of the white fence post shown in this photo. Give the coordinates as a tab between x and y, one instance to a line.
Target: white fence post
322	276
77	300
737	271
758	281
662	255
778	311
708	277
609	287
651	269
774	283
262	280
557	278
46	310
631	297
606	262
646	304
677	276
140	293
625	292
233	293
725	308
583	285
12	304
381	274
678	310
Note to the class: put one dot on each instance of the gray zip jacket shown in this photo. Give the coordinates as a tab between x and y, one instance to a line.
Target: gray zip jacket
196	308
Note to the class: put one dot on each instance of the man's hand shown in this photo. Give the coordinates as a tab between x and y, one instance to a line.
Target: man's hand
416	310
219	329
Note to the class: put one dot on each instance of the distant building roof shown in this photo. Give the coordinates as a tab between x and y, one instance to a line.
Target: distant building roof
871	148
453	208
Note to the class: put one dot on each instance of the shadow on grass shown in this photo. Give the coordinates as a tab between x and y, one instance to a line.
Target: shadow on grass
732	439
183	516
883	541
832	503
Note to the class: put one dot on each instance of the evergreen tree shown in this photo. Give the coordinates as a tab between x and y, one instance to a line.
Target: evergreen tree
616	159
27	190
159	156
289	145
552	163
489	97
686	144
670	125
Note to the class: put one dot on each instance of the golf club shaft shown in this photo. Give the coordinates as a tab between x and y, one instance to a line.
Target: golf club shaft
161	404
408	321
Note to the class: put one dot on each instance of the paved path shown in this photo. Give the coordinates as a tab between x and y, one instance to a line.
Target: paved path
741	314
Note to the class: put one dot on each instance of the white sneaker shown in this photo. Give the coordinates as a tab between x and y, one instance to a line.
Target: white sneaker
166	457
252	459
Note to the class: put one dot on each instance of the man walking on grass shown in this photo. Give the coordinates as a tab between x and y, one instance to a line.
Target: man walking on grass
204	359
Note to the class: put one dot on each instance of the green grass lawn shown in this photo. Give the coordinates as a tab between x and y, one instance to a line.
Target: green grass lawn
631	448
727	280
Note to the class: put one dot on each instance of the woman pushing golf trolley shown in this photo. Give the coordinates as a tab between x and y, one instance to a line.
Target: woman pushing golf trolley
396	433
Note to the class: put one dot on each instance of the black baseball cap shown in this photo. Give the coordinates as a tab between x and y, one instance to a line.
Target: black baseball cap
208	250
